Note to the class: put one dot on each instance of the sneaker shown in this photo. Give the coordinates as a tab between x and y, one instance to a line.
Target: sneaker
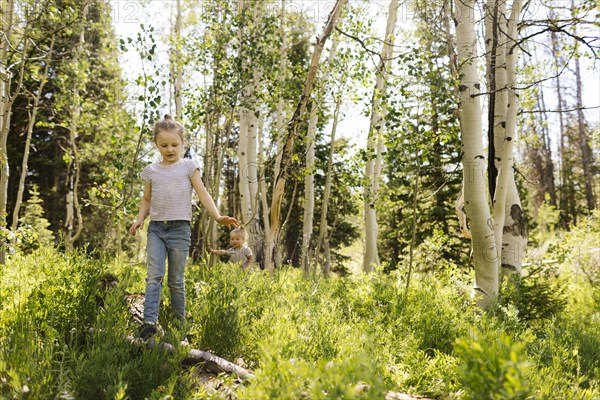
147	330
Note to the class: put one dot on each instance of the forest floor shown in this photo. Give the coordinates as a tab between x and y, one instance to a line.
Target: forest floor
357	337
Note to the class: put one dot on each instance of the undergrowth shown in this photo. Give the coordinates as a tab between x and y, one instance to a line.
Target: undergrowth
343	338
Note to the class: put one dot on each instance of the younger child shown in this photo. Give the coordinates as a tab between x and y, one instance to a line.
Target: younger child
168	186
239	252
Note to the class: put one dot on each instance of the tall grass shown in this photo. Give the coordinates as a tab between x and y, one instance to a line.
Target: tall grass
345	338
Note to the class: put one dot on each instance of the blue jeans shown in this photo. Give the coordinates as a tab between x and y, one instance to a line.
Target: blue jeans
166	239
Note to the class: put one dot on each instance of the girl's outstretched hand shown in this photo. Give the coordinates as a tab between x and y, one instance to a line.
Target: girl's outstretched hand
135	226
229	221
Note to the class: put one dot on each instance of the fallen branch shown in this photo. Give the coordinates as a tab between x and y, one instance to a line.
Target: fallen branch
211	362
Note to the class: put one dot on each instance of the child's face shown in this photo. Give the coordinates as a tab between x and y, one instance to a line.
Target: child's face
237	241
170	146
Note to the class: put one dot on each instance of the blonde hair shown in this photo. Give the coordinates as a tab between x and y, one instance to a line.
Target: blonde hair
241	232
170	125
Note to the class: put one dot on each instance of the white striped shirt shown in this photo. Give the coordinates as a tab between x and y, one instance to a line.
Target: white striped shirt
171	190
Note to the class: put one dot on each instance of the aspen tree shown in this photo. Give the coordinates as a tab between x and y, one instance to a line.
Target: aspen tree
476	206
6	101
375	144
280	113
510	226
177	63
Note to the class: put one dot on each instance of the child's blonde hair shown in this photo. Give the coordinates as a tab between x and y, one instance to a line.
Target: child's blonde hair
240	232
170	125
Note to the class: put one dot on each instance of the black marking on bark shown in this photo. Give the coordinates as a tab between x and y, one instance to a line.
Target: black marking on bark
519	225
477	86
463	88
508	139
480	156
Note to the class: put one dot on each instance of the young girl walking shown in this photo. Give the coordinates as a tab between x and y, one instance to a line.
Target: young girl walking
167	196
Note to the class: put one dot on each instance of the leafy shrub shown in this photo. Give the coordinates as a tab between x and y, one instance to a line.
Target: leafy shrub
536	296
493	367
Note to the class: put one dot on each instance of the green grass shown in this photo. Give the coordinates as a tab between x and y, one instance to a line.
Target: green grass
345	338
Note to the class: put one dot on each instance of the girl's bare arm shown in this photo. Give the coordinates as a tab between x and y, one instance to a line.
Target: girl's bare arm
209	203
144	209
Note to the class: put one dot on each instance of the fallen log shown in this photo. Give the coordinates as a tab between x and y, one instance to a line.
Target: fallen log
210	361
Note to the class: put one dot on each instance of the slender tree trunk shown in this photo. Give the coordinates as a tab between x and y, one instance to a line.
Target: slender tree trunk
73	218
507	205
309	186
247	146
6	102
286	159
485	257
30	125
548	165
264	203
566	192
245	121
374	144
414	228
177	63
495	40
309	180
280	113
323	239
263	182
244	186
446	16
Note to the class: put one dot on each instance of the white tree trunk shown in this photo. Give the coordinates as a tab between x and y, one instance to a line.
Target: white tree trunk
244	184
309	186
513	235
485	257
280	113
252	149
495	41
262	181
177	64
323	227
6	101
247	150
374	145
247	138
